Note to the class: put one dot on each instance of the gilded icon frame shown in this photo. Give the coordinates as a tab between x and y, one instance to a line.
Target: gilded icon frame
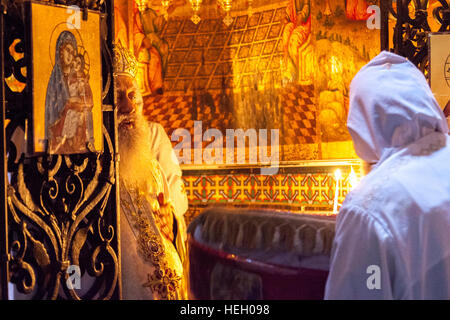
65	71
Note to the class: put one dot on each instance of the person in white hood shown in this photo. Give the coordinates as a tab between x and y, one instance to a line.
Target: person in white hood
392	236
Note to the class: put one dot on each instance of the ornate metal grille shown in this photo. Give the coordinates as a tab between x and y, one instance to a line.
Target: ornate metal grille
410	34
58	211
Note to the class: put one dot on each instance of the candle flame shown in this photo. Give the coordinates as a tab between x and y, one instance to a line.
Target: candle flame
353	179
338	174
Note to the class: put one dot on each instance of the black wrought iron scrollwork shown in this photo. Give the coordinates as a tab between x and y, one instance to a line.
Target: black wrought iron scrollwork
89	4
410	34
58	210
442	15
14	65
61	209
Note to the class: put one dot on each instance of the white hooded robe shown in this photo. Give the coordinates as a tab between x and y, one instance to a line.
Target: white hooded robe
392	236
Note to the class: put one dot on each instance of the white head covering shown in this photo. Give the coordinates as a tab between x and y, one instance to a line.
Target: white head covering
391	106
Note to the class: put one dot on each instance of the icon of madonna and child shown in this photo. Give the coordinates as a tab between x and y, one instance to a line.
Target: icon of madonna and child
69	100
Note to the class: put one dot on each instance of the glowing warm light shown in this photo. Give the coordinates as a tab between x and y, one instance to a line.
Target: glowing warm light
15	85
195	4
165	4
352	179
141	4
226	6
327	11
337	176
336	65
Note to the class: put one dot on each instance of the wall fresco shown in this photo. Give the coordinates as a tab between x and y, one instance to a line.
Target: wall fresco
282	65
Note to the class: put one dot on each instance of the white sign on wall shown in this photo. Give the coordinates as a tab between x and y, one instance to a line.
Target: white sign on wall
439	67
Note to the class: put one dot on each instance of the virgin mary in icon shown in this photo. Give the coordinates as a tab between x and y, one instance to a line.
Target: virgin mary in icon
69	100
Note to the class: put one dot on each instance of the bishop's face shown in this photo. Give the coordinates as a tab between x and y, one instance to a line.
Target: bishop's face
129	101
133	130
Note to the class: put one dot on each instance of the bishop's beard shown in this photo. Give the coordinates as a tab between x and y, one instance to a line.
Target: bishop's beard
135	150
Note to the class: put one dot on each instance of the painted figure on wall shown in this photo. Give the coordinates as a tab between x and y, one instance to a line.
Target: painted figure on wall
342	45
121	29
69	100
356	10
57	90
150	50
295	35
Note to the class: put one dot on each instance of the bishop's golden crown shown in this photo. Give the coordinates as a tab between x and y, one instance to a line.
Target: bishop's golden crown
124	61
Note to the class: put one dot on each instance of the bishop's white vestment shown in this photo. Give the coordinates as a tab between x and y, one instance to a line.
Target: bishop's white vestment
153	266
